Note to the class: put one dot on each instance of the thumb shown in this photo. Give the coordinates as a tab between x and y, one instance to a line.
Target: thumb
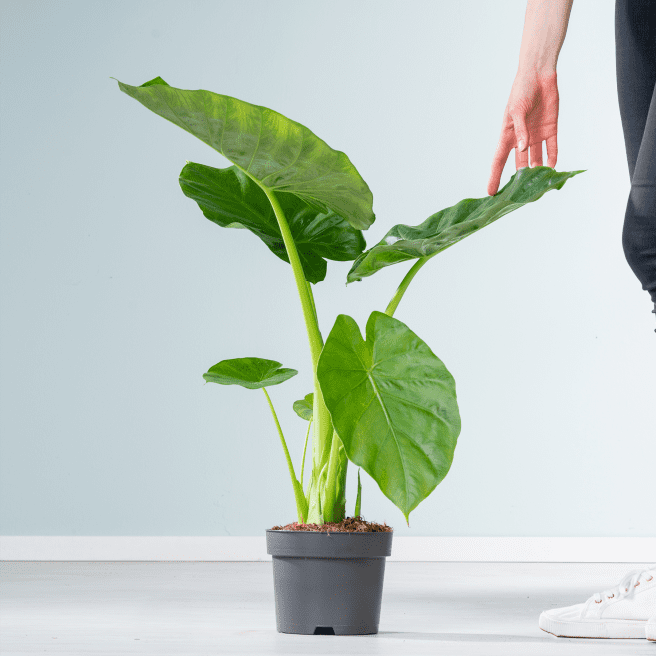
521	132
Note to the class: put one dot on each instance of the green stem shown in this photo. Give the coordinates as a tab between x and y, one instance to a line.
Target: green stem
301	501
358	499
340	483
311	295
396	299
304	449
282	437
311	324
323	427
322	422
331	481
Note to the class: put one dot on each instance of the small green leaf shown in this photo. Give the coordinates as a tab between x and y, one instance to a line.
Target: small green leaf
251	373
323	491
393	405
358	499
229	198
450	225
340	482
304	407
281	154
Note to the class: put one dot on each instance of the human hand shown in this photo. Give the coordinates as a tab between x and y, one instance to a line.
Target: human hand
531	117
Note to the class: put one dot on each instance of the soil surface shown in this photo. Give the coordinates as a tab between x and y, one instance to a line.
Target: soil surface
347	525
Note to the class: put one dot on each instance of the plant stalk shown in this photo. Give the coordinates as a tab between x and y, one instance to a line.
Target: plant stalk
323	428
307	304
321	446
311	295
307	435
340	500
330	492
299	503
396	299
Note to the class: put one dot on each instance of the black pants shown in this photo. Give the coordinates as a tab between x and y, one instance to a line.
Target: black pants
635	52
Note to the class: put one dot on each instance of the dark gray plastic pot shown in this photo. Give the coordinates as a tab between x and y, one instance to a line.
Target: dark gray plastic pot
327	582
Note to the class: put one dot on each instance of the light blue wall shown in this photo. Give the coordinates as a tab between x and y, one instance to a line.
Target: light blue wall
117	294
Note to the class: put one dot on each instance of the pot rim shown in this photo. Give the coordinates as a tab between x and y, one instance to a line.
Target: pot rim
331	532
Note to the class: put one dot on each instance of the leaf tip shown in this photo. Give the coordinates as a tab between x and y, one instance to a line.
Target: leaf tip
155	81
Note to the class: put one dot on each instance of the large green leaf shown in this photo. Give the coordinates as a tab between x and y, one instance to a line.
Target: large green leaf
393	405
251	373
303	408
229	198
450	225
281	154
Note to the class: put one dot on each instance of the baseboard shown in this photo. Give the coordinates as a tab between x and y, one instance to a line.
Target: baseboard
234	548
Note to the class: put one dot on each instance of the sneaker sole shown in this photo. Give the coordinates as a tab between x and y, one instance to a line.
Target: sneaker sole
650	632
616	629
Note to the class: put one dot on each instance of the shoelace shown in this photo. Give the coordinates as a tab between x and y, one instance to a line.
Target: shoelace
627	585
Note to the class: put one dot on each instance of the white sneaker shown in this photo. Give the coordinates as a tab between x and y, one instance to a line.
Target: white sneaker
650	629
621	612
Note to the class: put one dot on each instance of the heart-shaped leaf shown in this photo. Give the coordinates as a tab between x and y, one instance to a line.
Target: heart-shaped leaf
251	373
229	198
450	225
393	405
304	407
281	154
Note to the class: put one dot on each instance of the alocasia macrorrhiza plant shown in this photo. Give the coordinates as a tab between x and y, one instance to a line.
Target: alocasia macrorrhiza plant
384	401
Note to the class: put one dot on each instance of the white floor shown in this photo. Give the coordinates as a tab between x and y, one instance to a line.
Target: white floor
200	608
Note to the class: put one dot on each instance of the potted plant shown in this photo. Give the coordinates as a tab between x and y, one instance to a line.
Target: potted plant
383	401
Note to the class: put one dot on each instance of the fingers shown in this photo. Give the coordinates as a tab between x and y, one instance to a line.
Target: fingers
533	151
521	158
536	154
522	137
498	163
552	151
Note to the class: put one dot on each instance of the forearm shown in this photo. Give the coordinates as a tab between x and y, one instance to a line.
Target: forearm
545	26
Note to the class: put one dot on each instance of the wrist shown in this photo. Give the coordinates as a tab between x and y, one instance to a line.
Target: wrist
537	69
